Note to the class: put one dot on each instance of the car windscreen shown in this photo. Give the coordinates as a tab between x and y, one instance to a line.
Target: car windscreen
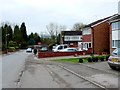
116	51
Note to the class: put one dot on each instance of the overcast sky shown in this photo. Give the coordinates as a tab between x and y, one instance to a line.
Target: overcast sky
38	13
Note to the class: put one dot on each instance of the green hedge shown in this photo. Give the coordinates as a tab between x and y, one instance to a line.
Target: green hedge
95	58
11	48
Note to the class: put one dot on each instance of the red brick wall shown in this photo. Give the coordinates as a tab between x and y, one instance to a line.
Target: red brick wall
86	38
101	37
110	31
57	54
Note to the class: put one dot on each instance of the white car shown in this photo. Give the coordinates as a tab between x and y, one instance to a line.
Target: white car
59	47
114	59
29	50
68	50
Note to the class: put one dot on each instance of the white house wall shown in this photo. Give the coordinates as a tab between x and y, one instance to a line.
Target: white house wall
87	31
116	35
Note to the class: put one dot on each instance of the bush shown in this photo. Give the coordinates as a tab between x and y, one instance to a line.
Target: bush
80	60
11	48
96	59
93	58
89	59
16	47
102	58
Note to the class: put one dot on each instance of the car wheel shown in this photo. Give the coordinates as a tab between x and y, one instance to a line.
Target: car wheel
113	67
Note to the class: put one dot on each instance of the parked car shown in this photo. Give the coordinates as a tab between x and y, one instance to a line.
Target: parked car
44	49
29	50
59	47
114	59
68	50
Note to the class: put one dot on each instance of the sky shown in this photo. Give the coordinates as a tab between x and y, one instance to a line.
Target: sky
38	13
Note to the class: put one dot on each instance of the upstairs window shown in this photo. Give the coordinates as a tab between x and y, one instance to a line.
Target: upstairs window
116	25
115	43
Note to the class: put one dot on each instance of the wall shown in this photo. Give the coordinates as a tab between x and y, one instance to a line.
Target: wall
58	54
86	38
110	33
101	37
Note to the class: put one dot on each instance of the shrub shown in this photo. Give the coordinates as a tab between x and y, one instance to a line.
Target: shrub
89	59
99	57
102	58
93	58
80	60
96	59
16	47
11	48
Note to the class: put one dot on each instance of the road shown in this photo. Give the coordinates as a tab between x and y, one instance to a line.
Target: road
12	65
23	70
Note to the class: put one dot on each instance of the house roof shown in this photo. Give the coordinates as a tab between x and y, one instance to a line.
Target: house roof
117	18
101	20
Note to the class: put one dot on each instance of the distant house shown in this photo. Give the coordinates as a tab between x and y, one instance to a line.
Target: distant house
96	36
114	32
72	38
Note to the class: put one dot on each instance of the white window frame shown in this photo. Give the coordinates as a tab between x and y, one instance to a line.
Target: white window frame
115	25
86	45
73	38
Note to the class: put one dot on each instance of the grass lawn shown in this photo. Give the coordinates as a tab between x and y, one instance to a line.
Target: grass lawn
72	60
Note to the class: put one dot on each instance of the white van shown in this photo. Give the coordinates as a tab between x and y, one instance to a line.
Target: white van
59	47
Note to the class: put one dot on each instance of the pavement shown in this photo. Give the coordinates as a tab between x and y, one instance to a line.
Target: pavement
39	75
33	78
36	75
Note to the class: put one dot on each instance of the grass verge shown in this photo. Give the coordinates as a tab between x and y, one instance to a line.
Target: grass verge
72	60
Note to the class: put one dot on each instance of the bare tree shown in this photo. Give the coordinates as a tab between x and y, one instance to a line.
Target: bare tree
51	29
78	26
54	30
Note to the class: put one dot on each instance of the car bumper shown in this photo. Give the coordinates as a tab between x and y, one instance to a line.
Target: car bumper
114	64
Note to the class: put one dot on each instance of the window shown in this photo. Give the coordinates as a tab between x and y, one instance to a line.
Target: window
116	25
73	38
60	47
86	31
116	43
87	45
113	43
65	46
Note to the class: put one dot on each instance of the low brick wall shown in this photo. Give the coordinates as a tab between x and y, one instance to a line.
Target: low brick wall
57	54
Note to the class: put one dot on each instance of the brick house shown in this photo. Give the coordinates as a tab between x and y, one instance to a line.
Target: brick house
95	36
114	32
72	38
